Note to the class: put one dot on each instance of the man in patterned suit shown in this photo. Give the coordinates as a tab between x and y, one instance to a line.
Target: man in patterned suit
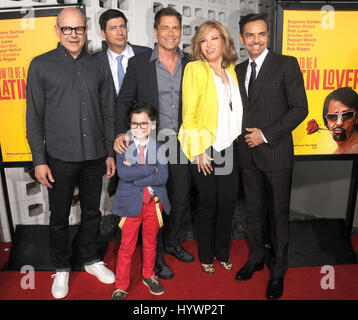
275	103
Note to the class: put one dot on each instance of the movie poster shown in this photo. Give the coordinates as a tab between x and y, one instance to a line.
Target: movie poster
20	41
325	44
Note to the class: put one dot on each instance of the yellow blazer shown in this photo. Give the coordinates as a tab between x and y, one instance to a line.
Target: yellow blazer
200	108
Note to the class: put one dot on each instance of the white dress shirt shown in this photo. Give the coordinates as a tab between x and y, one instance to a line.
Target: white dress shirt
113	62
259	61
229	121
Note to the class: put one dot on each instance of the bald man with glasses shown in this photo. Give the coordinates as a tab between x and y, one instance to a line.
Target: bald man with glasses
70	127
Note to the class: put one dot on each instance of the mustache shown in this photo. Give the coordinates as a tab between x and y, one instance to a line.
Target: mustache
335	129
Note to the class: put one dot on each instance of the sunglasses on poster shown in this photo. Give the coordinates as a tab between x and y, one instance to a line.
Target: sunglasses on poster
346	115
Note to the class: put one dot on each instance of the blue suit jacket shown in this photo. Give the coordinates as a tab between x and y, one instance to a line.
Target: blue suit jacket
104	56
128	200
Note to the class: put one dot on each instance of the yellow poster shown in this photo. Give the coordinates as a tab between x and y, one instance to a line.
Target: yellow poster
326	47
20	41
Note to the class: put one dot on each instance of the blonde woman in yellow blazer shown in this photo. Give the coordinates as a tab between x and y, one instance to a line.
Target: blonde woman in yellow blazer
212	116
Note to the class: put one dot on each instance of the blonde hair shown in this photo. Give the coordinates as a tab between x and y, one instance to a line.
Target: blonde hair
229	52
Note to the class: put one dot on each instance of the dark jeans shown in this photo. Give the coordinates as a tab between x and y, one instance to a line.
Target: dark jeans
88	176
217	197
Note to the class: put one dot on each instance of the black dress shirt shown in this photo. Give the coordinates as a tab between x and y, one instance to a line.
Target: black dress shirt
70	107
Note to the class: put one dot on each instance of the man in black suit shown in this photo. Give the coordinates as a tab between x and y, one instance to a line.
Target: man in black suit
155	78
275	103
113	25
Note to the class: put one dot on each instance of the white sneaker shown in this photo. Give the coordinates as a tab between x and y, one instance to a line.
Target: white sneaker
101	272
60	284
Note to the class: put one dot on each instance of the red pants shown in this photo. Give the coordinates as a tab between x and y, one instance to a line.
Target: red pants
150	225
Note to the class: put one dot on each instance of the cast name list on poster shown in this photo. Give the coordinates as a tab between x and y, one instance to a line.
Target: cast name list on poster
12	78
300	39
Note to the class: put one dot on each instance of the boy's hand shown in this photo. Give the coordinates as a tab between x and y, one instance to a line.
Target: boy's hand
126	163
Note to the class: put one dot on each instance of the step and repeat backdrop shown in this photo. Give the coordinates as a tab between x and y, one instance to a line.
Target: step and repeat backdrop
23	38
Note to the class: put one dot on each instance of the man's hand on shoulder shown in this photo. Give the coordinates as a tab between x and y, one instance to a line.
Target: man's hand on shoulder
121	143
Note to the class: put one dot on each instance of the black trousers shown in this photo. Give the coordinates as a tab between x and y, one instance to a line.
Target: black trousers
178	187
217	197
267	199
88	176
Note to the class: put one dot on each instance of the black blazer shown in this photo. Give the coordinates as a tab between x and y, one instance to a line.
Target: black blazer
278	105
104	56
140	85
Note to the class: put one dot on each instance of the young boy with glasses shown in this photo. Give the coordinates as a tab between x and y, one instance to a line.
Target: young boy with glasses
140	198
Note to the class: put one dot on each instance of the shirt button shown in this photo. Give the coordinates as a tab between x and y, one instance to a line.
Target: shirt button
84	119
85	135
83	102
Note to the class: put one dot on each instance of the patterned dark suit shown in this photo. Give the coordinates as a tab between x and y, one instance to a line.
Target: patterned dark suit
277	106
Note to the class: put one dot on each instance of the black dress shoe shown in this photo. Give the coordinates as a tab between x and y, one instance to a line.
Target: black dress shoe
275	288
163	271
246	272
180	253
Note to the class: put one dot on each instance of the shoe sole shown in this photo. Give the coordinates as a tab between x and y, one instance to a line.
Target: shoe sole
59	297
155	293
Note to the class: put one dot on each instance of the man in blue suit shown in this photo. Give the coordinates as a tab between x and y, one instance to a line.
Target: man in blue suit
113	25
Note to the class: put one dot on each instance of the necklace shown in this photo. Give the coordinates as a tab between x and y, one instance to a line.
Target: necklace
228	93
226	85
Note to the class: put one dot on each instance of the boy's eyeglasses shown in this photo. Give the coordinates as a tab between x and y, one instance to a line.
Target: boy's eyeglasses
142	125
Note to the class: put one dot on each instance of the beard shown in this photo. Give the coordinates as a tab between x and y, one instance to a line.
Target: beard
340	135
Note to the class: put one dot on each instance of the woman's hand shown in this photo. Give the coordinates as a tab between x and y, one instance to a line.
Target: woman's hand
203	163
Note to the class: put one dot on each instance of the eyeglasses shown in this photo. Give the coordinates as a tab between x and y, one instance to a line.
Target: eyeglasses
346	115
142	125
68	30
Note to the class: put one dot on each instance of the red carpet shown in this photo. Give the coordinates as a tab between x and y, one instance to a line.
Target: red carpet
189	282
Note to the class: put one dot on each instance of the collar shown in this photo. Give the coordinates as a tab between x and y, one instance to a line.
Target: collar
260	59
127	52
64	51
154	55
142	143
